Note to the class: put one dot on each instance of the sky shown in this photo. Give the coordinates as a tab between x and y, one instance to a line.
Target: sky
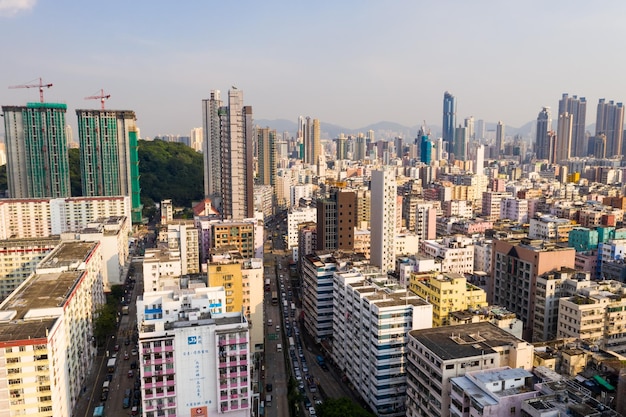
345	62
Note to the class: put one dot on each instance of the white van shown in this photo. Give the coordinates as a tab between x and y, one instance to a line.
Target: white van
105	386
279	348
268	400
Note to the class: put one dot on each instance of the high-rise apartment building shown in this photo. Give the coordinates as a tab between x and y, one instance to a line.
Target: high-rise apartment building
228	157
516	266
449	121
610	122
36	146
383	223
368	313
564	137
544	146
311	140
194	357
196	138
109	163
267	157
46	333
577	108
437	355
336	218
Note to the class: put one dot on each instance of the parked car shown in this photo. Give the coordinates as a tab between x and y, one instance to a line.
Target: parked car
268	387
131	373
104	395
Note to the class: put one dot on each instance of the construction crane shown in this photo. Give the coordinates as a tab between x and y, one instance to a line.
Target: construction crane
41	86
101	97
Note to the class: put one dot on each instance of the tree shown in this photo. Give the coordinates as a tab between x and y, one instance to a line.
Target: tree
341	407
104	325
73	155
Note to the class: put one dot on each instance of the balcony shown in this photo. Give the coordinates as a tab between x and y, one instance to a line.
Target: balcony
169	348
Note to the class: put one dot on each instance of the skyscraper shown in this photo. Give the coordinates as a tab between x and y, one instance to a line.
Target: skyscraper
449	121
109	163
469	125
36	146
266	146
311	141
342	150
500	136
228	168
383	218
543	147
460	143
212	131
610	121
564	137
426	147
577	108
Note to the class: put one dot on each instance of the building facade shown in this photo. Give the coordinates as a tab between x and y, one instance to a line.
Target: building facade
36	146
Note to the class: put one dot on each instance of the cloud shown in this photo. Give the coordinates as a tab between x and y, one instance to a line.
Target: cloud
9	8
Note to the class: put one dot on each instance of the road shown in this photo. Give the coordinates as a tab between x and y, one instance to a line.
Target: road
91	398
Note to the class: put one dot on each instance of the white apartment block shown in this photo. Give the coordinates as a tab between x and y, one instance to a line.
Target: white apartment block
597	313
458	208
406	244
614	249
371	321
19	258
296	217
46	333
195	358
161	270
26	218
384	218
317	293
549	289
550	228
491	393
167	211
491	202
300	191
437	355
183	238
112	233
514	209
482	255
456	253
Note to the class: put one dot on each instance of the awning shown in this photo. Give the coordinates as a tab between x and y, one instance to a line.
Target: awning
604	383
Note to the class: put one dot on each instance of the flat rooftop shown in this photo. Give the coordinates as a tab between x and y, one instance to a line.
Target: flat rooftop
68	254
465	340
32	309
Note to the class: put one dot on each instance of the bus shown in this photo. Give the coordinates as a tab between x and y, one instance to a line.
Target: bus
274	298
267	284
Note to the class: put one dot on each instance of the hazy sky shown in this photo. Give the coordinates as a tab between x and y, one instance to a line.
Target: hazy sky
345	62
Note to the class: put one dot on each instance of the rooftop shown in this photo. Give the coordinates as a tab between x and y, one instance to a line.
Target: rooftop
466	340
32	310
68	254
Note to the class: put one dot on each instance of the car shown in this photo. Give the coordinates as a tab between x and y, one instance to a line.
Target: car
135	401
268	387
126	402
137	384
134	411
131	373
104	395
307	402
126	356
311	411
127	342
127	392
134	351
305	368
137	394
133	365
109	377
116	348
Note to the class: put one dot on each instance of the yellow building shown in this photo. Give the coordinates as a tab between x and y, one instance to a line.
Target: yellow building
229	276
447	292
